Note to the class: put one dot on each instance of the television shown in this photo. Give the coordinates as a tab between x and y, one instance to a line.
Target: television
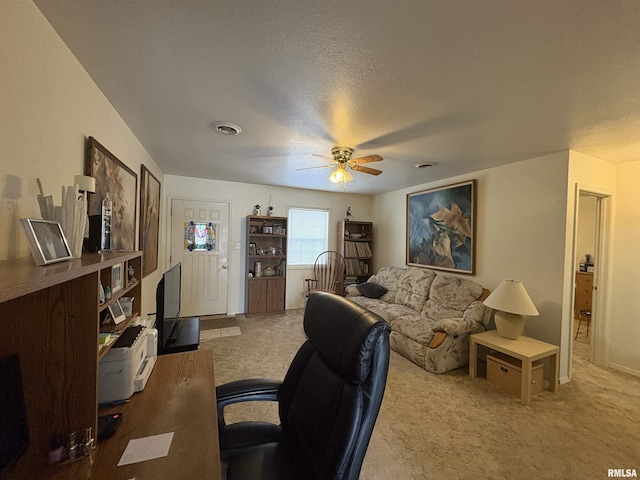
168	307
14	431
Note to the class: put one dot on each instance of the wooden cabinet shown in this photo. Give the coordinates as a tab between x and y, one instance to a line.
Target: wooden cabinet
51	318
355	244
583	294
265	266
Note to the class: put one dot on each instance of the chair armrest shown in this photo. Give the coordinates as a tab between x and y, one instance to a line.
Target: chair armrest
253	389
352	291
309	282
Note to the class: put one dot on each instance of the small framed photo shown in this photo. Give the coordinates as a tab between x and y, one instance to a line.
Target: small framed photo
46	241
117	312
117	272
252	249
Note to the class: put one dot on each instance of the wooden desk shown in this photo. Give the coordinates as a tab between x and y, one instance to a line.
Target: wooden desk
180	397
525	349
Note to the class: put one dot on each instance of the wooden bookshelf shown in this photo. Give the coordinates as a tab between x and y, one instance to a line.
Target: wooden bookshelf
355	244
51	318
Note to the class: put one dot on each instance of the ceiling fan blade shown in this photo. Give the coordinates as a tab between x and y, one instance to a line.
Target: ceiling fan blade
319	166
370	171
321	156
367	159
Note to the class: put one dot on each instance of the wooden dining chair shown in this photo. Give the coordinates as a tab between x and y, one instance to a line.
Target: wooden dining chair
328	271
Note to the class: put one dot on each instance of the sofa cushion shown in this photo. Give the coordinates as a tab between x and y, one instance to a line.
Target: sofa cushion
372	289
388	311
413	288
449	296
388	278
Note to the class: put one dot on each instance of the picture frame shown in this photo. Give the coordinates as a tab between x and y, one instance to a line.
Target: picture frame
252	249
121	182
117	312
441	228
117	277
46	241
149	231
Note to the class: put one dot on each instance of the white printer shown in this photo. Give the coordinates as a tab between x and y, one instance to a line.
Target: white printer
127	366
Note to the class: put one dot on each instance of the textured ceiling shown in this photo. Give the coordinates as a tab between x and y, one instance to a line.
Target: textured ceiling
464	84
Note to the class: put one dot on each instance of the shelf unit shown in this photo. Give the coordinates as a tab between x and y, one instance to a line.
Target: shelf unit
267	245
355	244
583	294
51	318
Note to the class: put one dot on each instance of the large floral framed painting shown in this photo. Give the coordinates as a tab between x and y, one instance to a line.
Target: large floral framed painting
121	182
441	228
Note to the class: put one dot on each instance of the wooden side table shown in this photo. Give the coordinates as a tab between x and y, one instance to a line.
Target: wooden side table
525	349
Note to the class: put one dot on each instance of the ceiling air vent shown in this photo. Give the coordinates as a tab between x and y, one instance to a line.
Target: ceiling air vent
225	128
424	165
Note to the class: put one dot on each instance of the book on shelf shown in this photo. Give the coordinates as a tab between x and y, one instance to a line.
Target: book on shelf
357	249
356	267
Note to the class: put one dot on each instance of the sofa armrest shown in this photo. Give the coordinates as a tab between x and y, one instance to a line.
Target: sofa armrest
438	339
475	312
352	291
457	326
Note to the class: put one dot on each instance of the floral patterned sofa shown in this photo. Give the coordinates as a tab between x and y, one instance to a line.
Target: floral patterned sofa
431	314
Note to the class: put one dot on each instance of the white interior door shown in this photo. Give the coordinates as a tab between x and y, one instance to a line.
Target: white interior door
204	267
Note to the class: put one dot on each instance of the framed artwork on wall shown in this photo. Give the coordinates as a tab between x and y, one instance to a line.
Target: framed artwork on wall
441	224
149	220
121	182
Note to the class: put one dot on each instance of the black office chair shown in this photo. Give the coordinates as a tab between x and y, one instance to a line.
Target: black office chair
328	402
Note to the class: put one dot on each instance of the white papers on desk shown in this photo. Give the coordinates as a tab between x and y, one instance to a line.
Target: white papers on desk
146	448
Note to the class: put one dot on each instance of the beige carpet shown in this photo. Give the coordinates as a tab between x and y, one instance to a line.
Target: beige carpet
454	427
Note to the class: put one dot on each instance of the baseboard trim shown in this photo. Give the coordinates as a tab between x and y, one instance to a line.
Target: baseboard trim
620	368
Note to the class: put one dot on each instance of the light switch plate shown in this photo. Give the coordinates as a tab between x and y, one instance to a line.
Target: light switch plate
237	246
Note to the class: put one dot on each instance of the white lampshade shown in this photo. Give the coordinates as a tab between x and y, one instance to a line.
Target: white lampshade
85	183
512	301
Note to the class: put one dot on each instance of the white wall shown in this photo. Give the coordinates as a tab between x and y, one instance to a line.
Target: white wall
520	232
49	107
242	197
624	331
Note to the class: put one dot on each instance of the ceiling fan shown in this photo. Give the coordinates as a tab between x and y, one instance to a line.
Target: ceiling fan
341	160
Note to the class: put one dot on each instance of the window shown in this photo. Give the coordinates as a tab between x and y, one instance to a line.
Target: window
308	235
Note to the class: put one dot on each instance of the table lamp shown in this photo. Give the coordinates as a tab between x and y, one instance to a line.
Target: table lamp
511	301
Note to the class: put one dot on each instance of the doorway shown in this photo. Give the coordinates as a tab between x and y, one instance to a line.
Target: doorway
199	239
591	239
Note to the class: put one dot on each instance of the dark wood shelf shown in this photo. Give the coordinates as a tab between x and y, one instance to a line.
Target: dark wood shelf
265	294
51	320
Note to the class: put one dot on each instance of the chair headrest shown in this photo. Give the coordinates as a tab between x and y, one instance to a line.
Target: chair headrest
343	333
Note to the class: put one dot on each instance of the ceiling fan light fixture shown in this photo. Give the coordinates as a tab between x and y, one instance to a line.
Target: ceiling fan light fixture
341	176
226	128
